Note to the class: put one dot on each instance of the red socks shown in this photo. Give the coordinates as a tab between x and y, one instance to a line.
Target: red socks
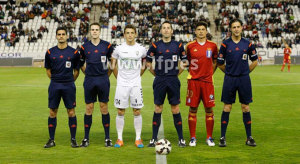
192	124
209	118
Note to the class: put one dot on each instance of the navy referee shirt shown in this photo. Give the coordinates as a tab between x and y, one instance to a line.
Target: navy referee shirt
62	62
236	56
96	57
166	57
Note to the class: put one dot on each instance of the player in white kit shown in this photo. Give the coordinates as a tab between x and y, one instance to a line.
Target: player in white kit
129	57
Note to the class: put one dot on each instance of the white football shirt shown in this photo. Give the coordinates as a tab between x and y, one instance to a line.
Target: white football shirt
129	59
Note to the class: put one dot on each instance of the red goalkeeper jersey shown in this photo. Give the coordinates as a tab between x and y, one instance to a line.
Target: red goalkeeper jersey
201	58
287	52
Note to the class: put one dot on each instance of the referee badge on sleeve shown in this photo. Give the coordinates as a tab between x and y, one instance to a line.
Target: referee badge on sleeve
103	59
68	64
244	57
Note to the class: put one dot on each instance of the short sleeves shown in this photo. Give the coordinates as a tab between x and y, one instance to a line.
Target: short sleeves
76	60
188	54
47	63
109	52
151	52
144	52
182	54
115	53
82	56
222	54
215	52
252	52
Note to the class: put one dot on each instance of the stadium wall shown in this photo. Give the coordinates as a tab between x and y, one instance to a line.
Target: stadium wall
36	58
27	61
294	59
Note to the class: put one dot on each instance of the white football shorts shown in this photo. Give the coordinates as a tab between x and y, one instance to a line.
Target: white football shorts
124	93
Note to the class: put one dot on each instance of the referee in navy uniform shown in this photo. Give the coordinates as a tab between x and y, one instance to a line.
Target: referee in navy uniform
236	51
62	65
167	54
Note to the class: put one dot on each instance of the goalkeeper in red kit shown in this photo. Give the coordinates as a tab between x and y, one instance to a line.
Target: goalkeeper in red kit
287	57
202	56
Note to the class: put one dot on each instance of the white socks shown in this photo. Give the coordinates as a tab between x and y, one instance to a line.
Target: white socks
138	126
120	126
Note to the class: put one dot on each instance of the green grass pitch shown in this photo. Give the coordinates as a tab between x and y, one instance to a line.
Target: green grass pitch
275	116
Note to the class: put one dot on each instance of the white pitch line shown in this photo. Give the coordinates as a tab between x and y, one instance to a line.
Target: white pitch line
161	159
147	86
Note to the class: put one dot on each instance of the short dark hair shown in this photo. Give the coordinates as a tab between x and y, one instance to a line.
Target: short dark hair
97	24
130	26
165	23
235	20
61	28
201	23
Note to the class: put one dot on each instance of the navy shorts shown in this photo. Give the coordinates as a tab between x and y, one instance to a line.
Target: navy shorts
163	85
96	86
56	91
231	85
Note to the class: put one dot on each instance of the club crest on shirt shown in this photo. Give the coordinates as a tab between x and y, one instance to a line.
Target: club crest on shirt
208	53
174	57
103	59
68	64
244	57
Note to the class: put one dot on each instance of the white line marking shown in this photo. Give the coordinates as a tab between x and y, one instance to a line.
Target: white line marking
161	159
147	86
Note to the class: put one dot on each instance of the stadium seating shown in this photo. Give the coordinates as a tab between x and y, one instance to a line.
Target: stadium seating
264	22
258	18
150	32
22	44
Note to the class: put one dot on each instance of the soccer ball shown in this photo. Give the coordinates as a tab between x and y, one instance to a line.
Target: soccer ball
163	147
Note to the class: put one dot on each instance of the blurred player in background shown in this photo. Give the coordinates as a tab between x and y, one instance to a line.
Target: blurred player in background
287	57
202	55
167	54
96	53
62	65
129	56
236	51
